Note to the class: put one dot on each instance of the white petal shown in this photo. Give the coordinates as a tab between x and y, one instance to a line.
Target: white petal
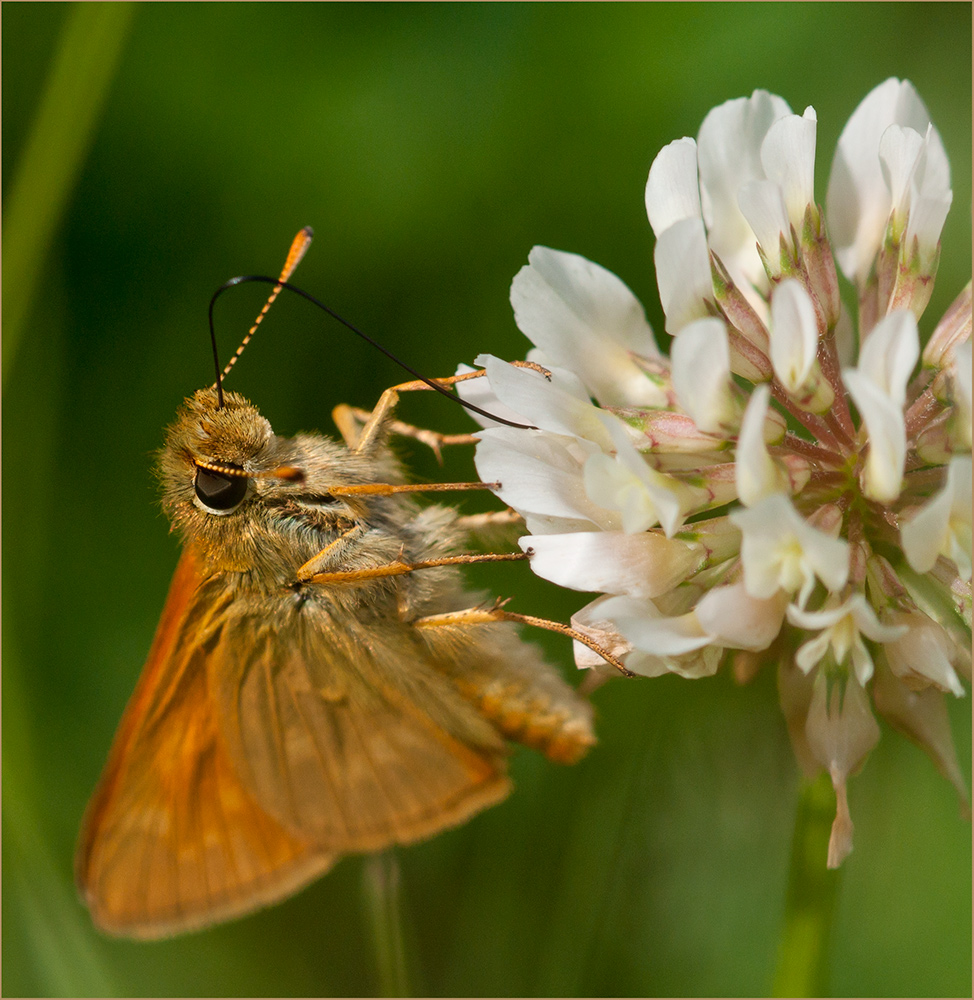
479	392
927	216
943	525
587	320
594	624
763	205
657	634
615	615
794	334
667	497
733	618
612	562
701	374
934	163
560	405
890	354
672	190
899	150
916	169
961	373
920	656
538	474
862	662
565	380
788	158
544	524
756	475
883	475
780	549
925	535
959	542
858	201
930	196
855	606
809	654
729	155
869	624
683	273
843	627
609	484
643	496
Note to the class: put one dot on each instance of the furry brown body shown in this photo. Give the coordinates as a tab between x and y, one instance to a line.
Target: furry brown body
297	705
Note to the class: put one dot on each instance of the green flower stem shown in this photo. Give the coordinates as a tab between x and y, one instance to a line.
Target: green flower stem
803	954
88	51
381	873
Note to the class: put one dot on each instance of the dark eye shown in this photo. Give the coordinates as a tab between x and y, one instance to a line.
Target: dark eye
219	491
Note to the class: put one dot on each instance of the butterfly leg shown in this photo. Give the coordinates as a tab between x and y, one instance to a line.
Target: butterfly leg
308	572
361	437
492	530
486	616
329	554
351	420
509	682
347	420
315	570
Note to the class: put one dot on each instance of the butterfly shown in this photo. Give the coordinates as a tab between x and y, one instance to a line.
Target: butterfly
321	682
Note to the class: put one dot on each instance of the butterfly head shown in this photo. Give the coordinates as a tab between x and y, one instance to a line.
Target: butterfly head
244	496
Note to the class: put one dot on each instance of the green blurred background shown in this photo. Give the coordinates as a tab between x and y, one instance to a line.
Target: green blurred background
430	146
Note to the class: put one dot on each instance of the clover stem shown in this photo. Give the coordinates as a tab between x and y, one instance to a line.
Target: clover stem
803	951
382	900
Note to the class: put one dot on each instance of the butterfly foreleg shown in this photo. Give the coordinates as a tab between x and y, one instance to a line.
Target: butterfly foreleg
351	421
361	430
330	554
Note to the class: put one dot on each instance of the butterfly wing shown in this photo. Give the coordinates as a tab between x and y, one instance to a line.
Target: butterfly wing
348	734
172	840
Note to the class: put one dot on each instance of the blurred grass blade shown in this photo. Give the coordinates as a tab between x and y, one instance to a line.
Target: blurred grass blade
61	958
88	50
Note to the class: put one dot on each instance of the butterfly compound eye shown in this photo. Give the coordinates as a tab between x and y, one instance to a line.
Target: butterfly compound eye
218	491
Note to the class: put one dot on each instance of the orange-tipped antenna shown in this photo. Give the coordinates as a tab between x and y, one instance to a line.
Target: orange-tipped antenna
299	247
297	251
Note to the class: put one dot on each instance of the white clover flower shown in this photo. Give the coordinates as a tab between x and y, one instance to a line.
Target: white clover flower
781	550
843	626
818	519
888	196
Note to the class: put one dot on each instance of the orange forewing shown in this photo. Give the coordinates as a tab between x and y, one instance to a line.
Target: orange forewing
172	840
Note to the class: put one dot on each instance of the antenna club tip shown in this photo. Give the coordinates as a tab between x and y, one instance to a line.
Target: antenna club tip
308	232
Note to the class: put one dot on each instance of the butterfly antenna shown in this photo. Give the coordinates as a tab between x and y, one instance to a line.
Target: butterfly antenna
298	248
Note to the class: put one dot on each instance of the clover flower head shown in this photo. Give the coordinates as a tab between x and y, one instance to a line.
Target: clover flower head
793	483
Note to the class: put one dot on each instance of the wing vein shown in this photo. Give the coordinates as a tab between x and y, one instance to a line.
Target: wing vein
322	761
